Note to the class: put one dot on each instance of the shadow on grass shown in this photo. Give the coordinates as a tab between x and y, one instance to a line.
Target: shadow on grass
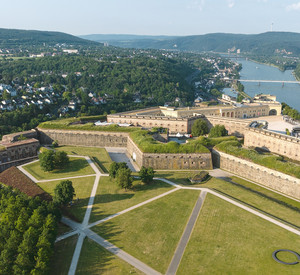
256	208
108	231
182	179
229	180
74	166
76	211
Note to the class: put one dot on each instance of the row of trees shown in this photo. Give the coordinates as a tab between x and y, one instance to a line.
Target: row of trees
122	174
200	128
27	233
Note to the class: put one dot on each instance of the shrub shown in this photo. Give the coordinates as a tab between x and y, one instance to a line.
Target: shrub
47	160
200	177
114	167
124	178
217	131
146	174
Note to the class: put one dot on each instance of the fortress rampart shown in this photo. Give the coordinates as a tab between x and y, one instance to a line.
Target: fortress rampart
163	161
270	178
235	127
83	138
274	142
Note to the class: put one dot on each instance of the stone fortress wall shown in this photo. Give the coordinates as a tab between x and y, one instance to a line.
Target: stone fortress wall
270	178
163	161
16	151
274	142
83	138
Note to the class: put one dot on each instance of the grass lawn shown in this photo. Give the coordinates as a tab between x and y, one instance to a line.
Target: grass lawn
229	240
99	154
83	188
94	259
179	177
151	233
285	209
111	199
62	257
76	167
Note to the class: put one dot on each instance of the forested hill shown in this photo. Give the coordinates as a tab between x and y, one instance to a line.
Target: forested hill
265	43
13	38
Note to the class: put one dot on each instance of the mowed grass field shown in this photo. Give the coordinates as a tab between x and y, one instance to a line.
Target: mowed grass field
151	233
111	199
100	154
62	256
269	202
230	240
94	259
83	188
76	167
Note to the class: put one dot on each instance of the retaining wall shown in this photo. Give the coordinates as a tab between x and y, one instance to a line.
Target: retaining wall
274	142
270	178
83	138
163	161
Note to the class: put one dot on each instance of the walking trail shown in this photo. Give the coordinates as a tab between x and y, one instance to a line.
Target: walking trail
83	230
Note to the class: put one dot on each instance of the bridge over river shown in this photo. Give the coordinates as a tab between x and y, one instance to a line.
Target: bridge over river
269	81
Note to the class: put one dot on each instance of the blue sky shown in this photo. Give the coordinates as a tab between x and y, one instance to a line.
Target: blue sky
153	17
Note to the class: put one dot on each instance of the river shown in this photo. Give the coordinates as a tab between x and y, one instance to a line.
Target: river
289	93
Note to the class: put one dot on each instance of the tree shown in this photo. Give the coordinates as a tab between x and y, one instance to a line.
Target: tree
47	160
64	192
146	174
114	167
218	131
199	128
124	178
61	159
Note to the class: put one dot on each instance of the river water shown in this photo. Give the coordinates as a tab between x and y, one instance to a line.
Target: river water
289	93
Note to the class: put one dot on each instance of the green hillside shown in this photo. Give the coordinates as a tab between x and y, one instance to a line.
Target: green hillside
265	43
13	38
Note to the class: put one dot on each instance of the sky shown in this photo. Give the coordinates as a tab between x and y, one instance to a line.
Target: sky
151	17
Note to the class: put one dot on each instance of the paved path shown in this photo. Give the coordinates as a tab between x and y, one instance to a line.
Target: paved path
120	253
83	229
86	218
132	208
186	235
119	155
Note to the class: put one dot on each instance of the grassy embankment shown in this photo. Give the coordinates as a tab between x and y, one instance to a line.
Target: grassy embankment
84	124
268	160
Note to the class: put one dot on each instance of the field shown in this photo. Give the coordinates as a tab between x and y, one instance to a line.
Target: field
96	260
151	233
83	188
100	154
111	199
76	167
264	200
63	253
227	239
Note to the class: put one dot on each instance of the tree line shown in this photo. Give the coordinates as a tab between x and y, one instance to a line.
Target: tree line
27	233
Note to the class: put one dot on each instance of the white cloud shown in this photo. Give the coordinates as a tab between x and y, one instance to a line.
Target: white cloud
293	7
199	5
230	3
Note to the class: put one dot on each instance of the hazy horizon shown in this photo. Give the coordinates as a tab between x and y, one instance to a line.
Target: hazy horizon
144	17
